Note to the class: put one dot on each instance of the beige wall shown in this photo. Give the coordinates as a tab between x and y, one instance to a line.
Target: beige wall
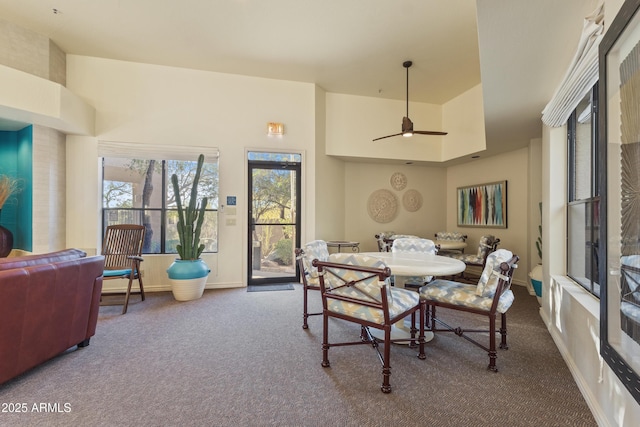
32	53
327	215
362	179
354	121
512	167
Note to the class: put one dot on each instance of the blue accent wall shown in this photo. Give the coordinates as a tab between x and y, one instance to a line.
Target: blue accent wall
16	155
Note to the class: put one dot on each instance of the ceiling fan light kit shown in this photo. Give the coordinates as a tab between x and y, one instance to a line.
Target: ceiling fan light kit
407	124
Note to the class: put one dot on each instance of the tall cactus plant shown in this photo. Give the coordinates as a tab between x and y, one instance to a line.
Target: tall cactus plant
190	219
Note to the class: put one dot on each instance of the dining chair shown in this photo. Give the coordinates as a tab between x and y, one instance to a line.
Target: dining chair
487	244
122	250
355	288
451	236
413	245
491	295
381	239
316	249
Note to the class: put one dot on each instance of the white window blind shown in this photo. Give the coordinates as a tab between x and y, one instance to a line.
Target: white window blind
138	150
582	73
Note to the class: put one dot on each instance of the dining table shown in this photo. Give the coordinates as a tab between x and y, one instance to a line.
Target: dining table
410	264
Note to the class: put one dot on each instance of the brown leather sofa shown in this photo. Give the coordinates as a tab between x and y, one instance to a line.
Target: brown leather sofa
48	304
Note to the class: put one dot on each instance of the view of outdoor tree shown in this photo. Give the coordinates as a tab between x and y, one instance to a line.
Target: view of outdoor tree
186	171
132	193
117	194
272	191
273	203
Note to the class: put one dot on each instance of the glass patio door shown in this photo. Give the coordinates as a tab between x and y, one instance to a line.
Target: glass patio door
274	221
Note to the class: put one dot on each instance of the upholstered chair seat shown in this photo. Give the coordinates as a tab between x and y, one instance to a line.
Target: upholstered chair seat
491	295
414	245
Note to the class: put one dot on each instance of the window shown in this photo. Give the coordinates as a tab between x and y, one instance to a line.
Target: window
139	191
583	206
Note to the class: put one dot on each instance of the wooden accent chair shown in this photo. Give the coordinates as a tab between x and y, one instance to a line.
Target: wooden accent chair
355	288
122	250
316	249
492	295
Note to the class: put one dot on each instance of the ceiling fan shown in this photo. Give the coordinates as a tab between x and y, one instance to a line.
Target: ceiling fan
407	124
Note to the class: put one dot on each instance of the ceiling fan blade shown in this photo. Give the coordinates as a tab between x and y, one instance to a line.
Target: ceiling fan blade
429	132
388	136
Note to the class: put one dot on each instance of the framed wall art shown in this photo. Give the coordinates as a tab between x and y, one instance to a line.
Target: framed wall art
619	211
483	205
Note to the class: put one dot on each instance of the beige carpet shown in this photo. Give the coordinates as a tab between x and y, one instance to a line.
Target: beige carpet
237	358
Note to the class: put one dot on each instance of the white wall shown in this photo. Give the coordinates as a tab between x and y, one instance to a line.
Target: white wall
173	106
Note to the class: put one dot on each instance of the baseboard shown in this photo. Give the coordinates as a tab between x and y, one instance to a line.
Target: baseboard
167	288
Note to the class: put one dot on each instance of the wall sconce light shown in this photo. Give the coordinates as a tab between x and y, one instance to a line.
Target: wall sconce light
275	128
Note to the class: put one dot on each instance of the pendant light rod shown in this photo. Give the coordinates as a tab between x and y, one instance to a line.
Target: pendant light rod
407	64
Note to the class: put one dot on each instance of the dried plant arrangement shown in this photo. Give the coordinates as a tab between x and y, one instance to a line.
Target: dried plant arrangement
8	186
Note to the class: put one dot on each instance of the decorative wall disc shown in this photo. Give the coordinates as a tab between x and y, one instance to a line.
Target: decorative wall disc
398	181
382	206
412	200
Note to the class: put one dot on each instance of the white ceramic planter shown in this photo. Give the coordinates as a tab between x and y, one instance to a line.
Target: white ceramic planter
536	280
188	289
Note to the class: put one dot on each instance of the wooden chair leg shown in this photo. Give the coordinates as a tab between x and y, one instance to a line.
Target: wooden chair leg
126	296
141	286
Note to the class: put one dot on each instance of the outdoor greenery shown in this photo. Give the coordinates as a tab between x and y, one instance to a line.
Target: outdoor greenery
191	217
272	205
539	240
139	191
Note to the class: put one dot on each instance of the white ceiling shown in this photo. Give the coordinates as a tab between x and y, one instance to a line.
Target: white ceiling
521	48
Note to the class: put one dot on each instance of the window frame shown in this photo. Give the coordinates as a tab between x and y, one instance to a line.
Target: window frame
213	205
591	203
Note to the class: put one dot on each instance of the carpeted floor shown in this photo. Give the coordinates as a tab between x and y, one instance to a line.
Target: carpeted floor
237	358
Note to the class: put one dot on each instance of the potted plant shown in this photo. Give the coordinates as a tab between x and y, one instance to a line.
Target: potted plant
8	186
536	273
188	273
